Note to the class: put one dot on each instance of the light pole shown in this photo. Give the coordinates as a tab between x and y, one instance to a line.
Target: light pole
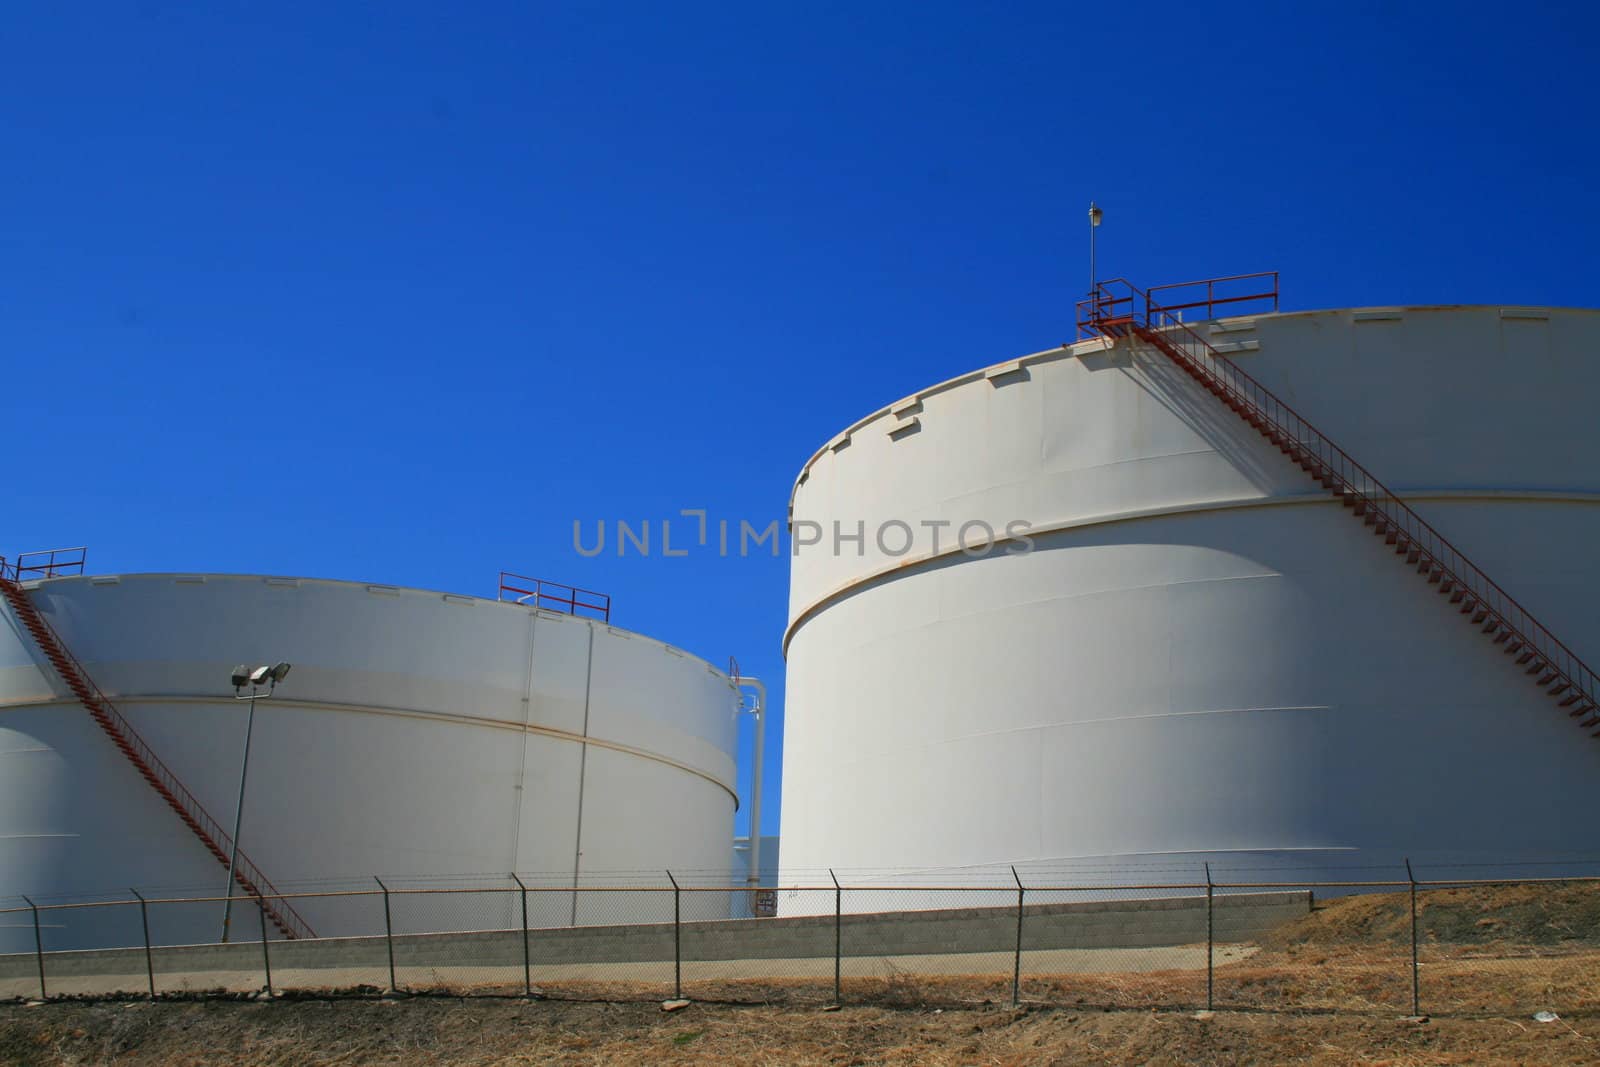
1095	215
255	679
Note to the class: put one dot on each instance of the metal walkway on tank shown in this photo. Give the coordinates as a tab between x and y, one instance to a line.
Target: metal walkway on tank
1119	309
62	562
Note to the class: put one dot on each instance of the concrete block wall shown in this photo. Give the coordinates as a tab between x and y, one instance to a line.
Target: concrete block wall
1085	925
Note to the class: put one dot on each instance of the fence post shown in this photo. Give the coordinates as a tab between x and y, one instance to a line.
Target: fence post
1416	990
266	957
677	939
838	931
38	947
388	932
527	967
149	964
1210	941
1016	964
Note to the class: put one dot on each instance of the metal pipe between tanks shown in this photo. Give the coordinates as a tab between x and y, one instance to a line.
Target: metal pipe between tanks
760	712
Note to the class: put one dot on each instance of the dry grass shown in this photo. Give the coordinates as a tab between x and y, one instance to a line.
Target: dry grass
1329	988
485	1032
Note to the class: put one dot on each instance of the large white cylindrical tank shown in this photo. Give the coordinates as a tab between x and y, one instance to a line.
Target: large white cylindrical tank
420	737
1201	655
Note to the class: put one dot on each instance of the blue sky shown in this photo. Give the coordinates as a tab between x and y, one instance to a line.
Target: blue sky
398	291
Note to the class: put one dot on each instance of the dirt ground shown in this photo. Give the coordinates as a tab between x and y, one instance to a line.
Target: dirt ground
481	1032
1330	988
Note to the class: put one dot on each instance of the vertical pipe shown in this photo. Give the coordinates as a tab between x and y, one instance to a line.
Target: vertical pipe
266	957
38	946
677	939
149	964
527	966
753	879
1416	984
583	771
388	931
838	932
1016	963
1210	942
238	817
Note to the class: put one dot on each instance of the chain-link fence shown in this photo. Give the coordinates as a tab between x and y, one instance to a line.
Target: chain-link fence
1469	947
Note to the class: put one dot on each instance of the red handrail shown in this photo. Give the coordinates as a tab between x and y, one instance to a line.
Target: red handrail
1555	666
47	563
555	596
1266	291
150	766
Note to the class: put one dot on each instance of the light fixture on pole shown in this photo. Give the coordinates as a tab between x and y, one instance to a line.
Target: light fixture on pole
256	678
1095	215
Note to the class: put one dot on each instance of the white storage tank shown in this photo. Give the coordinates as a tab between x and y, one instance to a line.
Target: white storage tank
1193	652
420	737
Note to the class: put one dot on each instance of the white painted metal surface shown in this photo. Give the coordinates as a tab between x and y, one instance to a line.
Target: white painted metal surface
420	736
1203	657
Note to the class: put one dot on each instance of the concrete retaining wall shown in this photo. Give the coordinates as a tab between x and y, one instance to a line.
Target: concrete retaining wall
1097	925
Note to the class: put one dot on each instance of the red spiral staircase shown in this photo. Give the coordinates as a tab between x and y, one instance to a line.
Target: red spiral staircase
1118	309
122	734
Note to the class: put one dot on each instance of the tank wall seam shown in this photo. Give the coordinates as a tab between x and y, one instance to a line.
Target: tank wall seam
916	563
404	713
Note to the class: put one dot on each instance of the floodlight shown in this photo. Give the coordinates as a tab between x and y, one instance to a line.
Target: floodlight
261	676
279	673
241	676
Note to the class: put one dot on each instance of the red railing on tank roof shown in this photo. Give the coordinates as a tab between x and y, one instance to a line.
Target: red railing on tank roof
1118	302
555	596
47	563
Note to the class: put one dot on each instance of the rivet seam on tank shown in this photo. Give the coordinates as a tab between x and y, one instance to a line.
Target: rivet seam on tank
1243	326
1006	374
1235	347
106	579
384	590
909	406
1378	316
452	598
838	446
